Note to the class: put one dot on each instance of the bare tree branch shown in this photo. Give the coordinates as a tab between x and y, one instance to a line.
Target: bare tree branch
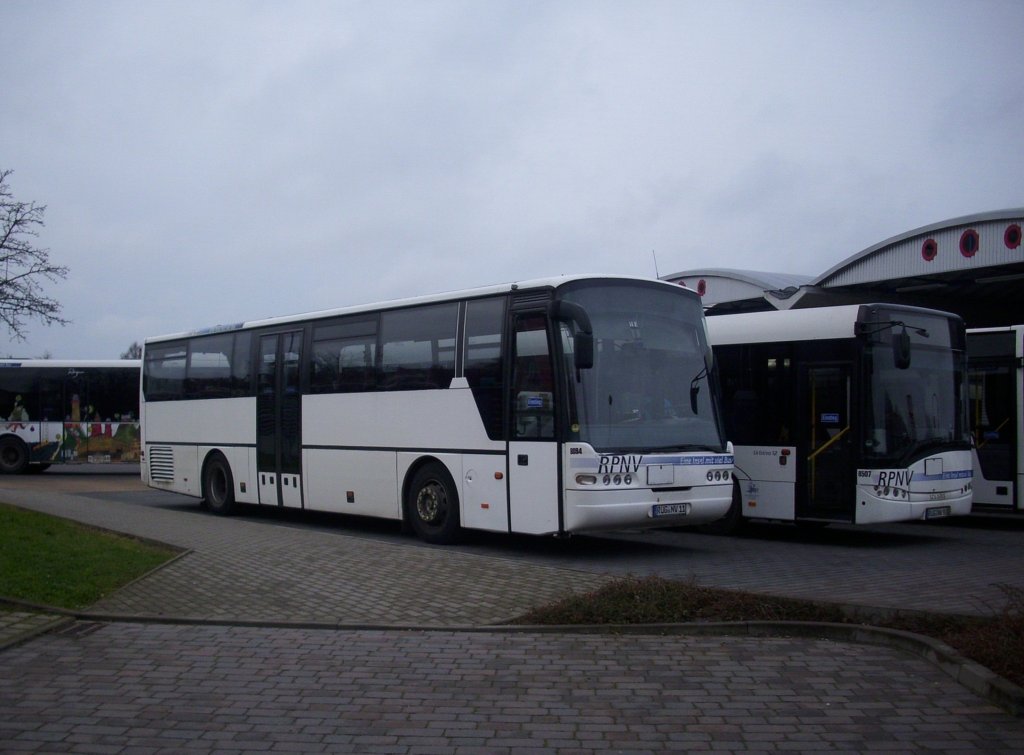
134	351
24	267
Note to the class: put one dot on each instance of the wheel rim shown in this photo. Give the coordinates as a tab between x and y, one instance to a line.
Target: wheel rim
431	503
218	485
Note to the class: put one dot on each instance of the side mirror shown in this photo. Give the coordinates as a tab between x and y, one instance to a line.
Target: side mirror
583	341
901	349
694	390
583	350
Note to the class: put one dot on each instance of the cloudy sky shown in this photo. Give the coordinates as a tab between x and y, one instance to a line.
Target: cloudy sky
210	162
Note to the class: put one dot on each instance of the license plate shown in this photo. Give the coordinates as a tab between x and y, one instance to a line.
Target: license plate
670	509
936	512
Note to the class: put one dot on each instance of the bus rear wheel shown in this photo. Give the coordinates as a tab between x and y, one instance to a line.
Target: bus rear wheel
432	505
13	455
218	485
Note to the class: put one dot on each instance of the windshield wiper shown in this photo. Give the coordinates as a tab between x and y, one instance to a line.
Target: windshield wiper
870	329
695	387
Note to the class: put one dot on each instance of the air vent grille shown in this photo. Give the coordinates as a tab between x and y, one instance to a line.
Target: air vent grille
161	463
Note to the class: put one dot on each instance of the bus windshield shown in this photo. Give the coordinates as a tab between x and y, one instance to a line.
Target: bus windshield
914	400
650	388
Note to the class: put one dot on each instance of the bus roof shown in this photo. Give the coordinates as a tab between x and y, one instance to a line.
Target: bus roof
997	329
470	293
68	363
811	324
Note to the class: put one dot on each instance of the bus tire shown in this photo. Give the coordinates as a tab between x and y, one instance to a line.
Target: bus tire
218	485
13	455
432	505
732	522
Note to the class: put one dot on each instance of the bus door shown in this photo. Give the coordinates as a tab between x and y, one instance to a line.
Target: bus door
830	477
994	412
533	459
279	420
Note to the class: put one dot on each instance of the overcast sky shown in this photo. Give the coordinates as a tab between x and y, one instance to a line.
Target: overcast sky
210	162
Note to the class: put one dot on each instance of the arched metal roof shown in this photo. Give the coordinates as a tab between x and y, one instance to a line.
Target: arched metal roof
718	286
967	243
972	265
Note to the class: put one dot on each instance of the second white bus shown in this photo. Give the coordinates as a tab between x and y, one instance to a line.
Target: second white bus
549	407
851	414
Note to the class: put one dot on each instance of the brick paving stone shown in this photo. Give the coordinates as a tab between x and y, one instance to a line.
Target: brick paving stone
539	698
131	687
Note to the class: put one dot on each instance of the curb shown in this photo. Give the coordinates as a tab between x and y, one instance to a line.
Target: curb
28	626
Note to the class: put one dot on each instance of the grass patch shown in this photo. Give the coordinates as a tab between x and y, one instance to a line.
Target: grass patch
996	641
53	561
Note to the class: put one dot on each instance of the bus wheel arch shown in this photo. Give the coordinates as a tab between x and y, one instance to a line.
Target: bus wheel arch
218	484
733	521
13	455
431	502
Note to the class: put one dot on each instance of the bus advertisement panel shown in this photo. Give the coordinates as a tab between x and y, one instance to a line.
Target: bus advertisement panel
66	412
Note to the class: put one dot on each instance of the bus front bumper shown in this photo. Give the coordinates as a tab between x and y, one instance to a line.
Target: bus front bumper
872	509
591	510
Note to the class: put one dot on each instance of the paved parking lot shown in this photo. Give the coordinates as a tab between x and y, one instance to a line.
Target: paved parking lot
326	640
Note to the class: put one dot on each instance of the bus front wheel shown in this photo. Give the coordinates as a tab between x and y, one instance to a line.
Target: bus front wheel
432	505
13	455
218	485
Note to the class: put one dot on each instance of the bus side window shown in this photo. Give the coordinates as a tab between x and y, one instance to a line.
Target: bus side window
164	373
533	380
19	395
241	365
51	392
418	347
117	395
209	367
344	356
483	371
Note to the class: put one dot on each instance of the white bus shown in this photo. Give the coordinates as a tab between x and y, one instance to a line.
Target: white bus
548	407
851	414
64	412
995	367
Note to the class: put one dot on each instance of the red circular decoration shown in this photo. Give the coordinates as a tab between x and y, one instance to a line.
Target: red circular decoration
929	250
969	243
702	287
1012	236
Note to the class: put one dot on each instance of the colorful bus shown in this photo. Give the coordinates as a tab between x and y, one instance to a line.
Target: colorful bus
63	412
995	367
547	407
851	414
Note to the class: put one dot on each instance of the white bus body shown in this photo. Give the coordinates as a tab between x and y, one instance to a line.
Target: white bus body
996	366
474	410
837	416
67	411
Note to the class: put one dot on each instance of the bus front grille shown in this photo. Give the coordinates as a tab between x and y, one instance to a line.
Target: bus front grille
161	463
